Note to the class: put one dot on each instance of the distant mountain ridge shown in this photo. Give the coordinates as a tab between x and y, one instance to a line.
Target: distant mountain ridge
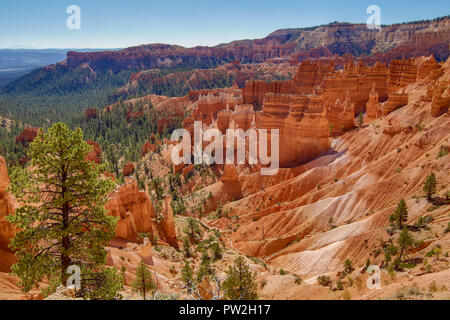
17	62
92	79
416	38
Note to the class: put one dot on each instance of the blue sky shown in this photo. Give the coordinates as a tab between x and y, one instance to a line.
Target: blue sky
117	24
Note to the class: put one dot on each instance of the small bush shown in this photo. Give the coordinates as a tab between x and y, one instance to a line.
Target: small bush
350	282
447	229
324	280
420	127
443	151
348	266
263	283
298	280
433	287
283	273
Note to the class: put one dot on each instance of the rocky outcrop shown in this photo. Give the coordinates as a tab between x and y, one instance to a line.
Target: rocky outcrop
96	154
187	170
310	75
7	231
242	117
167	223
254	92
150	145
134	114
171	119
302	123
223	120
441	100
426	66
210	104
89	114
134	210
401	74
128	169
358	80
229	173
145	252
6	205
373	110
27	135
341	115
396	100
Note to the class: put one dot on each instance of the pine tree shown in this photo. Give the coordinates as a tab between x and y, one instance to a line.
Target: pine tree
187	247
430	186
205	269
156	186
62	221
405	241
192	228
240	282
216	251
400	215
102	285
348	266
144	281
331	222
360	119
187	275
389	252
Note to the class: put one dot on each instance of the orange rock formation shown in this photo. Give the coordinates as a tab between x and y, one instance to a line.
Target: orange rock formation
134	210
401	73
128	169
7	206
168	224
395	101
441	99
303	126
27	135
284	219
96	154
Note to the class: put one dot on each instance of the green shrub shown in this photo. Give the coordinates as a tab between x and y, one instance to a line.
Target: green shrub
298	280
283	273
324	280
443	151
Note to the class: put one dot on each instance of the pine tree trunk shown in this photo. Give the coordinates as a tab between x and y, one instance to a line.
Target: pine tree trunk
65	241
143	286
